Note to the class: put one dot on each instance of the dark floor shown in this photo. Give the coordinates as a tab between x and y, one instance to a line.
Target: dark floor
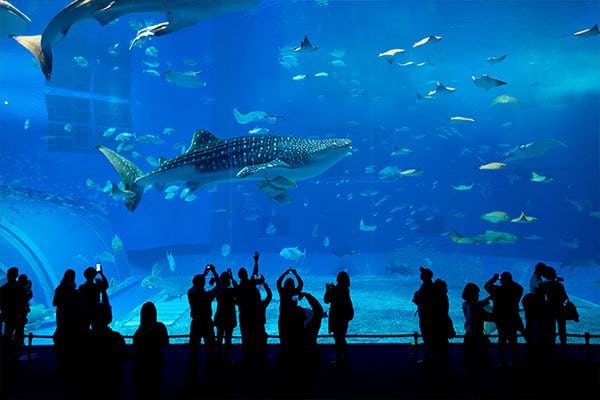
374	372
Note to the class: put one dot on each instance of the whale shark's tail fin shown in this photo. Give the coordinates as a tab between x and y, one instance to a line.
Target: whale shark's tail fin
33	43
129	174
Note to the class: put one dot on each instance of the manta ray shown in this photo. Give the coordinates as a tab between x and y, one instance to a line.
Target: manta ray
306	45
592	31
12	20
210	160
487	82
530	150
180	14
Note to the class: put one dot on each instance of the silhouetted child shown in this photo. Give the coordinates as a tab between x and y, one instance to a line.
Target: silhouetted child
341	312
476	342
149	341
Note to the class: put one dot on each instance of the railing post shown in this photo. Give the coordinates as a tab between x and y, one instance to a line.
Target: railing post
416	338
587	335
29	345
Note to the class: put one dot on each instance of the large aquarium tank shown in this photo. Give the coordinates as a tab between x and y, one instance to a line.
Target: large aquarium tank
368	136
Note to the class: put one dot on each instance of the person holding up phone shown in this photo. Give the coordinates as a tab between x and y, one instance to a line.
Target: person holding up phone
90	292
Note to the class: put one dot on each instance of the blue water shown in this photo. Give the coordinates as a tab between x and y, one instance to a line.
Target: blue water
552	73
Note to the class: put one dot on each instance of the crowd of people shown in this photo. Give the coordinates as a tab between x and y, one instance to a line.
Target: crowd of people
84	315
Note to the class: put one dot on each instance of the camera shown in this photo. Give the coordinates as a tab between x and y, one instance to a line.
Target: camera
329	285
98	267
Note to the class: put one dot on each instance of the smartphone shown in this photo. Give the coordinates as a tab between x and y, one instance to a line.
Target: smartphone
98	267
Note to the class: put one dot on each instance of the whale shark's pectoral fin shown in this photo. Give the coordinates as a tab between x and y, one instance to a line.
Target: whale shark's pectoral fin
108	14
176	20
260	168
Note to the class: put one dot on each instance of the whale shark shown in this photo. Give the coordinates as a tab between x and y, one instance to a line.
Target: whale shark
180	14
210	160
530	150
12	20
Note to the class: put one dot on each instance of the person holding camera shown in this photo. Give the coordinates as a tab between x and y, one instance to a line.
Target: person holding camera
288	300
225	317
202	326
341	312
506	298
556	297
249	308
90	292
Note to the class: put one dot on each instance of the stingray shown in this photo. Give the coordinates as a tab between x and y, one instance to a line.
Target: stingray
523	219
495	60
12	20
252	116
592	31
487	82
306	45
531	150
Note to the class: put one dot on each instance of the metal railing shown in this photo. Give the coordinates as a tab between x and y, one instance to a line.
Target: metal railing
587	337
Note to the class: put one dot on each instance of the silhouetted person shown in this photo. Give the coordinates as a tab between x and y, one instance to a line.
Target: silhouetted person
476	342
26	294
506	298
149	342
341	312
261	332
69	325
90	292
443	328
225	315
556	296
249	310
538	326
288	300
202	326
106	354
423	298
11	304
312	326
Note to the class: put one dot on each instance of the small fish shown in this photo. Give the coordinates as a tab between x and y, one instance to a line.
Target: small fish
105	256
462	187
170	196
109	132
89	183
168	131
326	241
411	172
321	74
190	197
505	99
495	217
172	188
495	60
225	249
292	253
282	182
271	229
299	77
81	61
151	72
258	131
366	228
26	124
458	118
338	63
492	166
184	193
117	244
400	151
171	261
68	128
151	51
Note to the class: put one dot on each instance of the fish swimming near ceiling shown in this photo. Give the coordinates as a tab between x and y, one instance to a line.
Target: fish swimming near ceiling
12	20
487	82
180	14
211	160
531	150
